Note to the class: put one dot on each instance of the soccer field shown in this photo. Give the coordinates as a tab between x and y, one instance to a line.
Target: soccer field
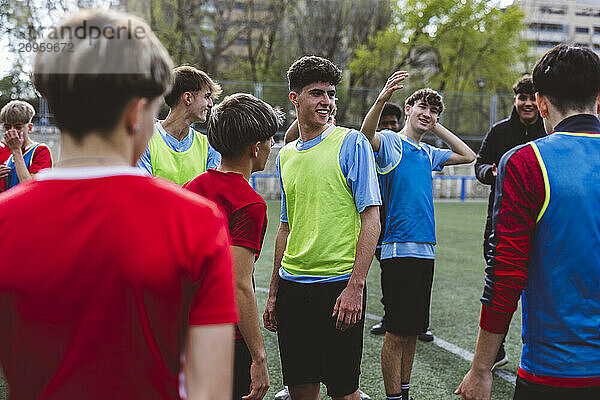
455	306
458	284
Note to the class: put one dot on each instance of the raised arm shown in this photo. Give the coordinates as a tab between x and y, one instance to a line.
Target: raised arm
369	125
461	153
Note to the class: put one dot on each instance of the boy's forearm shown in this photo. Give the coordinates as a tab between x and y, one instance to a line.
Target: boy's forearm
21	168
456	145
249	323
369	125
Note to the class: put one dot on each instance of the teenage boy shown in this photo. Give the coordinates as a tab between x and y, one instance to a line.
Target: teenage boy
291	134
176	151
523	125
544	242
241	129
123	280
325	243
404	165
26	157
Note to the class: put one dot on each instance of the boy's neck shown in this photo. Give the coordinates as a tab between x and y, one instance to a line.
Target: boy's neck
243	166
177	124
309	132
412	134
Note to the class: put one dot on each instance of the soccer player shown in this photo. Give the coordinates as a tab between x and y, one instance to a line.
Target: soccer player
292	134
523	125
241	128
544	242
26	157
404	166
325	243
108	276
176	151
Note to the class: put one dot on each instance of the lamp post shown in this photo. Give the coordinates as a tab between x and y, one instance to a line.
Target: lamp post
480	85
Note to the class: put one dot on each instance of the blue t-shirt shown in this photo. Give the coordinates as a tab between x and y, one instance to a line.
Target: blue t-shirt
390	156
358	167
213	160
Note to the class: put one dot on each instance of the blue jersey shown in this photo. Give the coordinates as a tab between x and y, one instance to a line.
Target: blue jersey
212	162
561	303
404	169
357	164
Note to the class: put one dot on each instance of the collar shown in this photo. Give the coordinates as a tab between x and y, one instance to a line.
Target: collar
579	123
76	173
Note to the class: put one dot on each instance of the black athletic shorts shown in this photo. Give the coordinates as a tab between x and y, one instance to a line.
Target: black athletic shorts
406	286
526	390
241	370
312	350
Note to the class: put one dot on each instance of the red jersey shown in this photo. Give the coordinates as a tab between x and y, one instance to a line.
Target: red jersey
4	153
245	209
103	270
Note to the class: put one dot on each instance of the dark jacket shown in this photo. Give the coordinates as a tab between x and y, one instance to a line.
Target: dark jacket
503	136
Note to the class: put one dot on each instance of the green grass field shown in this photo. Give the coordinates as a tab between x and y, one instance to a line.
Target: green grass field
458	284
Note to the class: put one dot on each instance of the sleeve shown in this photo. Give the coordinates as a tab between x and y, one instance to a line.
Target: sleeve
519	198
41	159
212	269
357	163
145	163
247	225
485	159
283	217
390	151
214	158
438	157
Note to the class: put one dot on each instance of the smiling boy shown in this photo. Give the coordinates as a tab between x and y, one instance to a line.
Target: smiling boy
404	167
177	152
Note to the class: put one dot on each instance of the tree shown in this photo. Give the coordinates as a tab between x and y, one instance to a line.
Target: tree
446	45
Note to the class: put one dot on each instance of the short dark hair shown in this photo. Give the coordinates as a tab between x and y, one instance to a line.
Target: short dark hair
190	79
569	77
428	96
524	85
88	87
240	120
392	109
311	69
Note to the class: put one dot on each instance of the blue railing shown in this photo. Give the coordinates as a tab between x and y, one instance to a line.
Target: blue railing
463	181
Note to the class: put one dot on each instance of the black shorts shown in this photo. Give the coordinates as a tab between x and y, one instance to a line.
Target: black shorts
241	370
312	350
525	390
406	286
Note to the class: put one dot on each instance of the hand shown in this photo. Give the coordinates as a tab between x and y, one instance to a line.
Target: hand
348	308
14	140
259	381
494	169
269	319
476	385
4	171
392	85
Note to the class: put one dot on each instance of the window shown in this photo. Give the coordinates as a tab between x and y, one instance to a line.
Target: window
540	26
597	30
581	29
553	10
546	43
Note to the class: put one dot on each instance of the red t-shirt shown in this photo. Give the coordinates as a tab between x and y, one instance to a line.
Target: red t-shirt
245	209
40	159
102	272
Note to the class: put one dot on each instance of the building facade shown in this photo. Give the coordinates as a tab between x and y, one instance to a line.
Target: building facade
552	22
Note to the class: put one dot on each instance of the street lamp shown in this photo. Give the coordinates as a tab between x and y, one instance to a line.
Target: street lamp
480	85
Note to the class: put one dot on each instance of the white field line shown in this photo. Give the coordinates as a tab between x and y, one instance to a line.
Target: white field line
452	348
